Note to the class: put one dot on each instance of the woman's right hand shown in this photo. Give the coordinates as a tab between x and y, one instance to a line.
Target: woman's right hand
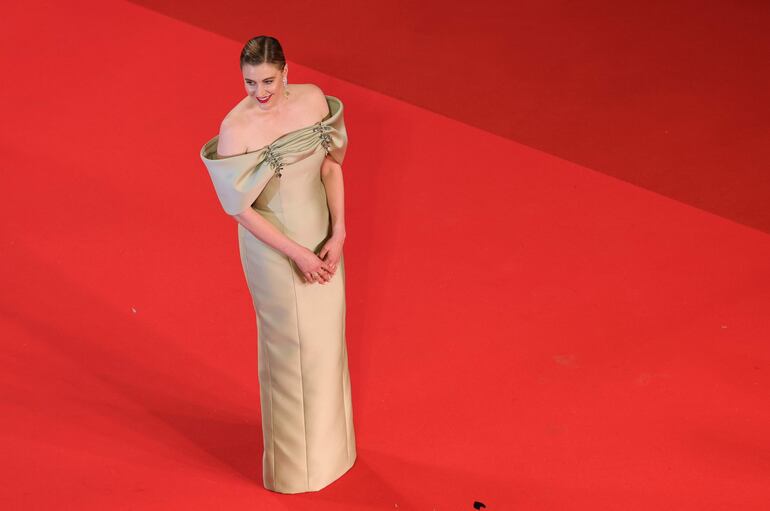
313	268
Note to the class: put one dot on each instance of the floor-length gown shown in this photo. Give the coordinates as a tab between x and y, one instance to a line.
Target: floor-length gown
304	382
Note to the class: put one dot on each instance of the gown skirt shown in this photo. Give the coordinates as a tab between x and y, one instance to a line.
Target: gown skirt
304	381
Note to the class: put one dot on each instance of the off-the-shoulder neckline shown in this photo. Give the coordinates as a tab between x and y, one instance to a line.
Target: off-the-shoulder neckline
331	115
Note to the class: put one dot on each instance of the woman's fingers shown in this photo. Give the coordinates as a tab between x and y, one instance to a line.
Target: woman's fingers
322	275
325	275
319	277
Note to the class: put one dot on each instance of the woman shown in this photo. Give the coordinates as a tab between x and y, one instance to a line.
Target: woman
276	168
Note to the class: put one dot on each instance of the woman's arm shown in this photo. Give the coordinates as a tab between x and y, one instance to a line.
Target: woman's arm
231	143
331	175
310	264
268	233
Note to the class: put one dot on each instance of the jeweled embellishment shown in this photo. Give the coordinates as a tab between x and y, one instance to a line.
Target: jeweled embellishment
326	139
274	160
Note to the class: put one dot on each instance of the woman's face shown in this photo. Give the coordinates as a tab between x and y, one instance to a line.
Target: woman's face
264	83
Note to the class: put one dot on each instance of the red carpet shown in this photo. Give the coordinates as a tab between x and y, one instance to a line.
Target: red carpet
669	95
523	331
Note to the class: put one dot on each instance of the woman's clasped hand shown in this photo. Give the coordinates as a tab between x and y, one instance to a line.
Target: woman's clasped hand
320	267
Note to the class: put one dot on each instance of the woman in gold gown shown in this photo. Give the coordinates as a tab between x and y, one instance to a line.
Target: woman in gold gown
287	197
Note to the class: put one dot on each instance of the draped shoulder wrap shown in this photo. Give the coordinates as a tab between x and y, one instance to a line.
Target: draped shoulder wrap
239	179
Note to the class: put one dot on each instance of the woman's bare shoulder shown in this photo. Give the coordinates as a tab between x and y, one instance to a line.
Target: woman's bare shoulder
315	99
231	130
237	112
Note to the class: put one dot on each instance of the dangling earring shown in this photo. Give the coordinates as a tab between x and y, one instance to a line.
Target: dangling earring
285	89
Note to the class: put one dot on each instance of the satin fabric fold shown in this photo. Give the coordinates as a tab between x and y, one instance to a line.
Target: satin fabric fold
239	179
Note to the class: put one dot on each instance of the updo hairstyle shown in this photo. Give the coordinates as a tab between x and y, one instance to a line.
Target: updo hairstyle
263	49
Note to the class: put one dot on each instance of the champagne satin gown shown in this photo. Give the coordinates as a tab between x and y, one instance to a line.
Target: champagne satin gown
304	382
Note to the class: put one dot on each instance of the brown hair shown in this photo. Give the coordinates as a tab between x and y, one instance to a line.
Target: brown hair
263	49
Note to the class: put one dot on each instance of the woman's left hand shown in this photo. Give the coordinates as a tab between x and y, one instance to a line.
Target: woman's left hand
332	251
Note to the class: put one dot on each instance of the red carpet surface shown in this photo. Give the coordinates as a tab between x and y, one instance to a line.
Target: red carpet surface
669	95
529	327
